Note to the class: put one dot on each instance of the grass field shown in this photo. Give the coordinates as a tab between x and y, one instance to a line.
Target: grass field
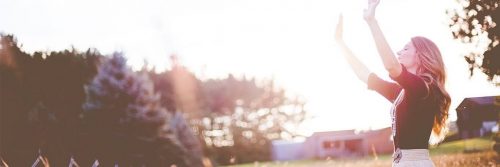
464	153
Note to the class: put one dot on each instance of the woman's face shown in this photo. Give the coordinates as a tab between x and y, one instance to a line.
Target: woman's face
407	56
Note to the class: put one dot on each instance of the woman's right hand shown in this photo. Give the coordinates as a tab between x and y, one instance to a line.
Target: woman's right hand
369	13
339	30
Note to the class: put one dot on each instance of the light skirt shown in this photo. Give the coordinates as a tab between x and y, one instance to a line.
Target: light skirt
412	158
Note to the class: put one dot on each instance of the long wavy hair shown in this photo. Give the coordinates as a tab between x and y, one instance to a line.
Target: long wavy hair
431	68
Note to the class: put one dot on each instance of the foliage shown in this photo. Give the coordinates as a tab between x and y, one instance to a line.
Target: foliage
474	23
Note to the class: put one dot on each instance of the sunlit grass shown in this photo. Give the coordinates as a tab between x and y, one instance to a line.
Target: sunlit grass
469	145
447	154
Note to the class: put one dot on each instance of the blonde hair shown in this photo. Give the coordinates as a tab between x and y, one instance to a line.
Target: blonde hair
431	67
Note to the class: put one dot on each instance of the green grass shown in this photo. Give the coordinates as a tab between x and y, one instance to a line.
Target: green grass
460	146
483	144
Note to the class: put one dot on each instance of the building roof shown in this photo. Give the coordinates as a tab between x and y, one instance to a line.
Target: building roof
349	133
334	133
479	102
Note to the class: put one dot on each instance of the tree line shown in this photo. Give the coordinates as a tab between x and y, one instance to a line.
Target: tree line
86	106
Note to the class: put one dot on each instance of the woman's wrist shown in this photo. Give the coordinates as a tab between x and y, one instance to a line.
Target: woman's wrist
340	41
371	21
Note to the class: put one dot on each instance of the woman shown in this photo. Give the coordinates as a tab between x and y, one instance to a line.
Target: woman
420	101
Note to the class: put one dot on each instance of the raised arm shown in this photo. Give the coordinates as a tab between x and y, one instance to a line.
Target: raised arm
362	72
390	61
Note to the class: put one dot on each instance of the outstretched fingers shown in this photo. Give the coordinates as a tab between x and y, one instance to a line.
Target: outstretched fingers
369	13
373	3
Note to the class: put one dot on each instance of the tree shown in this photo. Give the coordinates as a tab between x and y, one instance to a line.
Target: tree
41	95
180	104
127	121
60	80
246	116
15	130
477	24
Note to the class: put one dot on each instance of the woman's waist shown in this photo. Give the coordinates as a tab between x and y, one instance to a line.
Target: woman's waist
412	154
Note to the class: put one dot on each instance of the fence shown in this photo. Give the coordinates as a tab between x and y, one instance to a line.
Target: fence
44	162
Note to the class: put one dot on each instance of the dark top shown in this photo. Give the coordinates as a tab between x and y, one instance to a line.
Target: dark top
415	113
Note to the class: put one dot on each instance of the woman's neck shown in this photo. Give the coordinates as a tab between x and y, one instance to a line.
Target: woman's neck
412	69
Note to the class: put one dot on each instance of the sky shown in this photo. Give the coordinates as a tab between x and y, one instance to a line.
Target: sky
290	41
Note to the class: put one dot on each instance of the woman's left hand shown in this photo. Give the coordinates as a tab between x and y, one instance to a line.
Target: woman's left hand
369	13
